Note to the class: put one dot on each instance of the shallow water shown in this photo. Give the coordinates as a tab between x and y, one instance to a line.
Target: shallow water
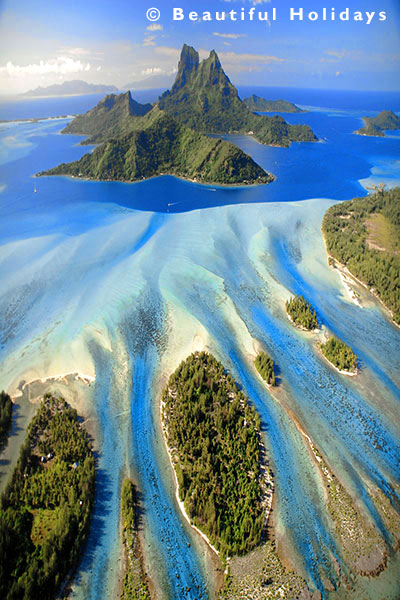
116	280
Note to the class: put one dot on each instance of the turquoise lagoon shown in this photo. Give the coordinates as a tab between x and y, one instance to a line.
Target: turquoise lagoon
120	282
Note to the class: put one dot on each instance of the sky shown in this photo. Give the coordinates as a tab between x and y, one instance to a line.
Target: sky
126	42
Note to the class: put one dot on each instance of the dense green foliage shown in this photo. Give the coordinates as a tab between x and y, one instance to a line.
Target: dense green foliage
345	228
213	435
114	116
377	125
134	586
204	99
6	407
256	103
45	509
301	313
339	354
265	366
167	147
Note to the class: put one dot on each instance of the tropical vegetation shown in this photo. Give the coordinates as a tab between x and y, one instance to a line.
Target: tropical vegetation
364	235
265	366
6	408
301	313
204	99
167	147
134	586
339	354
256	103
376	125
214	438
46	506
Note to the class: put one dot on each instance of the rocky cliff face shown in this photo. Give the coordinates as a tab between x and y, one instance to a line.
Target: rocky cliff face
204	98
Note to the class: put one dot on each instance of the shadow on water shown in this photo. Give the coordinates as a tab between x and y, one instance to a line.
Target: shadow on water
16	416
101	512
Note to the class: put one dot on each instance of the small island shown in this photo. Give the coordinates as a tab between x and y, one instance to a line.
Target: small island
167	147
376	126
134	585
340	355
71	88
265	366
362	237
46	506
300	312
6	409
258	104
214	442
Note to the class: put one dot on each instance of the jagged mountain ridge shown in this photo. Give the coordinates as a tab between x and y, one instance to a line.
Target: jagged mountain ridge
204	98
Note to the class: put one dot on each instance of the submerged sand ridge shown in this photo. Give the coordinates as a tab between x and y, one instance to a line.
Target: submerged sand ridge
145	291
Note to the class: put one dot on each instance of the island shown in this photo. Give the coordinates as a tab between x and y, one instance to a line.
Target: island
300	313
134	585
340	355
75	87
258	104
362	237
202	98
144	140
46	506
265	366
6	409
167	147
214	443
376	126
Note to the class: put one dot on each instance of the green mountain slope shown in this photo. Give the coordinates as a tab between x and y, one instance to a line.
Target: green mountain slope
166	147
377	125
203	98
114	116
256	103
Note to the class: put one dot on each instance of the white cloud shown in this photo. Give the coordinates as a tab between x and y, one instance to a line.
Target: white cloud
232	36
155	27
152	71
149	41
62	65
167	51
259	58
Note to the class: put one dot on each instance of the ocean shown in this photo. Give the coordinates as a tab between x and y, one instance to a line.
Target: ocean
121	281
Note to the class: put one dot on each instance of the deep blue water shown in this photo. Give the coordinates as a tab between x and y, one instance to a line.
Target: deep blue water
115	266
330	168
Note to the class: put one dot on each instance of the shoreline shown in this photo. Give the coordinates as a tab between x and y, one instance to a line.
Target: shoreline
267	484
301	328
349	373
59	378
37	119
179	501
345	271
143	179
